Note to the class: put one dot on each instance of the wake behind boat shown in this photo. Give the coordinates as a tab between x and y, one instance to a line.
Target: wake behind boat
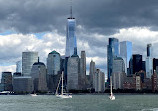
62	95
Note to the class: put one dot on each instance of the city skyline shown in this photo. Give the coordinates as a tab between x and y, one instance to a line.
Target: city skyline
90	35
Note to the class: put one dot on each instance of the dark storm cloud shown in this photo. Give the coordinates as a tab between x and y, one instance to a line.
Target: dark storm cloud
102	16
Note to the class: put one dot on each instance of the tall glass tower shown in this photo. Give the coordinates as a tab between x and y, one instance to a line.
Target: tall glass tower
71	44
112	52
149	61
28	59
126	52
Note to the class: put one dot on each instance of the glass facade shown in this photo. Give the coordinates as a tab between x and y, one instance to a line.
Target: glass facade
71	44
136	63
53	63
149	61
126	52
112	52
149	50
28	59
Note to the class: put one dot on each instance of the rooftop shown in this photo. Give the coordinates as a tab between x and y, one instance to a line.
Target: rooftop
54	52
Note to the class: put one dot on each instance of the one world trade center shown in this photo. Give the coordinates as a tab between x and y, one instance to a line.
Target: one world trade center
71	44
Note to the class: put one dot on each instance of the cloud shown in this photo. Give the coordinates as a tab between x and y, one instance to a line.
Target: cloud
103	16
130	20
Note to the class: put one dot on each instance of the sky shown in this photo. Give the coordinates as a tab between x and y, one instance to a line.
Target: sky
40	25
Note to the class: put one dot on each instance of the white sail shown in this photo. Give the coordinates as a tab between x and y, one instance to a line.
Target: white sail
62	95
111	97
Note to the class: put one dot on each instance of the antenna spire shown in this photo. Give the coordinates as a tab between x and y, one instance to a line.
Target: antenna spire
70	8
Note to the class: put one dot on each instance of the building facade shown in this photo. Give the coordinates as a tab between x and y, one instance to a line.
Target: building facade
28	59
126	52
92	74
19	66
6	81
73	73
38	74
53	63
112	52
118	73
136	63
149	61
71	43
99	81
23	84
83	69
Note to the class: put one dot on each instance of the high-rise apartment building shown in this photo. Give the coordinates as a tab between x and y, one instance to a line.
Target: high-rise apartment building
112	51
28	59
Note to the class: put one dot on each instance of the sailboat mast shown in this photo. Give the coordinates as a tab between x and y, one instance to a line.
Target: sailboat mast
111	84
62	85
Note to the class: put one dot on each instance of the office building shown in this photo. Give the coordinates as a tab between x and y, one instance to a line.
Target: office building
92	74
73	73
126	52
23	84
112	51
83	69
118	73
71	43
149	61
28	59
6	81
136	63
38	74
155	64
53	63
99	81
19	66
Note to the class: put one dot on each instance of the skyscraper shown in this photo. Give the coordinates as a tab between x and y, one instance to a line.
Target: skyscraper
18	66
149	61
83	69
28	59
136	63
38	74
155	64
99	81
149	50
53	63
126	52
71	44
73	73
112	51
118	72
92	73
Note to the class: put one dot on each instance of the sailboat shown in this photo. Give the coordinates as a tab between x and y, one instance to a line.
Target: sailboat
111	97
33	95
62	95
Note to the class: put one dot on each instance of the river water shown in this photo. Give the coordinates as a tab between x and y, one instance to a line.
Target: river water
79	103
